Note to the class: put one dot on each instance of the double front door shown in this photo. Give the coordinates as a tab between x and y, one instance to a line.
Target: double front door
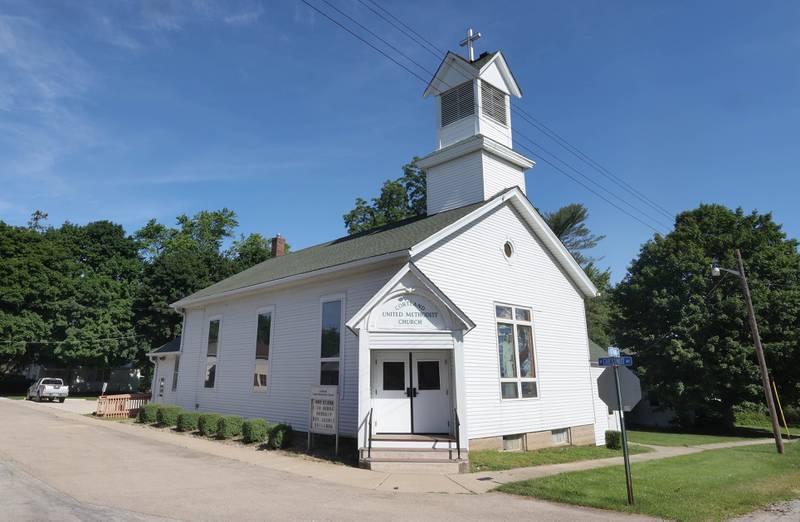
411	391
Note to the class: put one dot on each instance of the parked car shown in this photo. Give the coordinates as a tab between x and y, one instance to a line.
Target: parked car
48	388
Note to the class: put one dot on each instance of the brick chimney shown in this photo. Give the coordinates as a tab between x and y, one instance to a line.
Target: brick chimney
278	246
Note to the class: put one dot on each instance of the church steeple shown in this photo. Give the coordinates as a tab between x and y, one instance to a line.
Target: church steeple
474	159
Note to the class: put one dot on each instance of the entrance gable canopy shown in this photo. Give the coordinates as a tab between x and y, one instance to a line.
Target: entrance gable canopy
410	302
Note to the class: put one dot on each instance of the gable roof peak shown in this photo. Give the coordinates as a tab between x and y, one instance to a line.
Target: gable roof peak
466	70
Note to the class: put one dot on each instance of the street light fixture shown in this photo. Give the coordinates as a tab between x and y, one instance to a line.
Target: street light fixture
716	271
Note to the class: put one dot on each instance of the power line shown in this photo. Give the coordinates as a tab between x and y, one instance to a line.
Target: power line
590	161
401	53
73	341
409	33
323	13
519	133
544	129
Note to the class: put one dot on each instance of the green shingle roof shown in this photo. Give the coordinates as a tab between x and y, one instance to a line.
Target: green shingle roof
387	239
170	346
483	59
596	351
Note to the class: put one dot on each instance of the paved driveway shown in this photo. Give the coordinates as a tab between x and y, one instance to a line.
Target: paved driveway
79	406
54	465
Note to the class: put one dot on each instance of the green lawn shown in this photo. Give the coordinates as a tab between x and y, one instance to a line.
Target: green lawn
664	438
500	460
765	429
712	485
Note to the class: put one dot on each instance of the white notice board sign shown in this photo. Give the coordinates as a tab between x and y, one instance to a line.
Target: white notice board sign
324	410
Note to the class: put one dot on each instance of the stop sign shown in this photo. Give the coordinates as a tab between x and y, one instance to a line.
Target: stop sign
628	384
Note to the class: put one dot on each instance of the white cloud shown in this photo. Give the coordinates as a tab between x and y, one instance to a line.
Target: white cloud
47	81
246	17
37	70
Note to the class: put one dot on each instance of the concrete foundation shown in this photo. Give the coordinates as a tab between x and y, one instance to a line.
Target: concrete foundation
579	436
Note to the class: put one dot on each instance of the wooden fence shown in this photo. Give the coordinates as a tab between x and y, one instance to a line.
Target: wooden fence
121	406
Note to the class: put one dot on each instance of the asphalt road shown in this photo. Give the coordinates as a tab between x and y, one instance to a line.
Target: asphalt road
62	466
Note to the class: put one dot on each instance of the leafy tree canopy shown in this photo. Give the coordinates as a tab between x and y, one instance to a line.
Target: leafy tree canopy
690	332
184	259
67	293
93	295
399	199
569	224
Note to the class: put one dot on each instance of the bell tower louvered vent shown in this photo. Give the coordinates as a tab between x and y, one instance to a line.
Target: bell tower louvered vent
458	103
493	102
474	159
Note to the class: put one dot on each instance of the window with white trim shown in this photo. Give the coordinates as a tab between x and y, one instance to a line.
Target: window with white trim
457	103
263	341
331	341
515	349
212	349
175	373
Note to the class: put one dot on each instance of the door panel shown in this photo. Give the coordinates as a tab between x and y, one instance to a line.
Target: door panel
390	380
432	401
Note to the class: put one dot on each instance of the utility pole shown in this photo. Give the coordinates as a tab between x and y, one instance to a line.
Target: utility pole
776	430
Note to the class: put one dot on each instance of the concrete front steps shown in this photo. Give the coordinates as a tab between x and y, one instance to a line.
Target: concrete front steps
414	454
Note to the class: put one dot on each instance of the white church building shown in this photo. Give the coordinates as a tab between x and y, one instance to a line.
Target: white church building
464	328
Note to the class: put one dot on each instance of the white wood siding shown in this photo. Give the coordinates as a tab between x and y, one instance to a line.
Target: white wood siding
165	369
603	420
411	341
456	131
294	357
455	183
500	175
471	269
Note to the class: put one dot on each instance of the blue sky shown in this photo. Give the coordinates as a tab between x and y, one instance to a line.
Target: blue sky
129	110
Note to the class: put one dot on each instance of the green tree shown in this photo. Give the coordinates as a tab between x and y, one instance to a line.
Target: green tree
95	320
569	224
250	250
399	199
690	333
30	285
67	294
182	260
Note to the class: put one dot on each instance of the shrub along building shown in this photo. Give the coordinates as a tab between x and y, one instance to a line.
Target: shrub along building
465	326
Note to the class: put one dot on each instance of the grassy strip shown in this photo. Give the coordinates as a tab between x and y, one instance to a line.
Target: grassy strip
765	428
712	485
500	460
666	438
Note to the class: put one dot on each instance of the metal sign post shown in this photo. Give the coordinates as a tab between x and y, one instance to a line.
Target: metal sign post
609	387
625	455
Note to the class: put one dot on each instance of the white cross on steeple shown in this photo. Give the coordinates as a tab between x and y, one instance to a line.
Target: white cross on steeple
471	37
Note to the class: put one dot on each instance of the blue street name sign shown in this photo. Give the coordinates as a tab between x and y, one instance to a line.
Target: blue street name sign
625	360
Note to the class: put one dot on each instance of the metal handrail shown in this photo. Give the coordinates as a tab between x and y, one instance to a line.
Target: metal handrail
458	433
369	445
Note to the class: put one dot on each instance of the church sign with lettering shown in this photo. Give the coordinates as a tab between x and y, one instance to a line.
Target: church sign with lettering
409	312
